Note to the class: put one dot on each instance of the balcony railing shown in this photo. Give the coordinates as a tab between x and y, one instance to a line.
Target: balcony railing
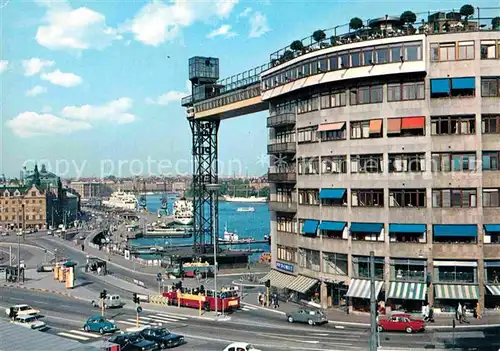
458	277
187	100
278	176
283	119
370	31
226	99
275	148
280	206
408	276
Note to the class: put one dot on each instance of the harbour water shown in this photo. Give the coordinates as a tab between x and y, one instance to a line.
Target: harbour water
246	224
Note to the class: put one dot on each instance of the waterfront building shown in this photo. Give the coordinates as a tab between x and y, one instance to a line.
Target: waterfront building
12	201
88	190
383	139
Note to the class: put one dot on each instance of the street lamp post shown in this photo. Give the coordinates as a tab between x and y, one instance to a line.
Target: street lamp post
213	189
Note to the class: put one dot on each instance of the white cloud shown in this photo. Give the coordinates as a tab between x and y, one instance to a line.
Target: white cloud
258	25
73	29
114	111
3	65
36	90
57	77
46	109
158	22
245	12
35	65
170	96
224	30
30	124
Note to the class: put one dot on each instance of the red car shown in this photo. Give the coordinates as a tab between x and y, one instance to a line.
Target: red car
401	322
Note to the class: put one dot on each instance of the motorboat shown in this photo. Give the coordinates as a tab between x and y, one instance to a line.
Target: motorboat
245	209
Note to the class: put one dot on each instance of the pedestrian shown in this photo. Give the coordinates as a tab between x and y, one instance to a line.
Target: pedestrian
478	311
458	313
464	314
260	299
276	301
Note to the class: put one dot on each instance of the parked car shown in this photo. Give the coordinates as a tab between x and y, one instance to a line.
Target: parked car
311	316
401	322
133	342
240	346
45	268
163	337
100	324
31	322
22	310
113	301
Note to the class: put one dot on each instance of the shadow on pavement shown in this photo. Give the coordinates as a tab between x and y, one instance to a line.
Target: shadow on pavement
487	339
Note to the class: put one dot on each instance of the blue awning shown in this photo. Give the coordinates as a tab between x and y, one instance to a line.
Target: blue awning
310	226
333	226
463	83
407	228
332	193
358	227
492	228
440	86
491	263
455	230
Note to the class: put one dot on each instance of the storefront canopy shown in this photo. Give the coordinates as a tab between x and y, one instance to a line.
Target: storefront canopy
457	292
360	288
407	291
302	284
494	289
278	280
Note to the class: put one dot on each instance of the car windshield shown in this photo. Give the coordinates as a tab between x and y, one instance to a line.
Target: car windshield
162	331
24	308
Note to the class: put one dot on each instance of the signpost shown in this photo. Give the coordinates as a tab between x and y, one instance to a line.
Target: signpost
158	279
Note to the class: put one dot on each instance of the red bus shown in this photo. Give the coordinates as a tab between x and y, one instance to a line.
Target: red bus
185	297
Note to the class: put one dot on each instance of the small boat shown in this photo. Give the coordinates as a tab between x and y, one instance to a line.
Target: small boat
245	209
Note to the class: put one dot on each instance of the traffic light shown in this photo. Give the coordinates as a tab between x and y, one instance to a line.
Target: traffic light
135	298
104	293
268	283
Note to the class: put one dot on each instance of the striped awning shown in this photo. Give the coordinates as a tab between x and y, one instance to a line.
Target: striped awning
278	280
494	289
361	288
407	291
457	292
302	284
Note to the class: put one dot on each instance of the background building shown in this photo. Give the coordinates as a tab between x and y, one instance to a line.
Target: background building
12	201
88	190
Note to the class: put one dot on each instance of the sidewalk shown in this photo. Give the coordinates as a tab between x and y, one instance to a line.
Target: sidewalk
338	316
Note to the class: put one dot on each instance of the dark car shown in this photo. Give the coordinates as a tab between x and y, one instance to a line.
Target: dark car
163	337
133	342
312	316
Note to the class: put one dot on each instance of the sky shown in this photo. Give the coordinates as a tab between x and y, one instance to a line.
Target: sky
92	88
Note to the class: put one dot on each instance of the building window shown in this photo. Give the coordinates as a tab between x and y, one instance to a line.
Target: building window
333	98
306	135
309	259
308	165
443	51
286	253
366	95
466	50
366	129
332	131
490	197
453	87
451	161
308	104
490	86
449	125
408	270
489	49
367	197
288	106
455	274
414	162
286	224
367	163
405	91
444	198
407	198
308	196
33	193
405	126
335	263
361	267
284	194
490	124
333	164
490	160
285	135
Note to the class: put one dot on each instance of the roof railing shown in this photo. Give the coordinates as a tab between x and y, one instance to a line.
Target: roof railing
333	38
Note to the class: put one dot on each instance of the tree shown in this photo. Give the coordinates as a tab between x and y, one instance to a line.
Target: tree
356	23
296	45
408	17
495	23
287	55
318	35
467	11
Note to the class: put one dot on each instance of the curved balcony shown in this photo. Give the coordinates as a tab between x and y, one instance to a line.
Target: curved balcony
283	119
277	148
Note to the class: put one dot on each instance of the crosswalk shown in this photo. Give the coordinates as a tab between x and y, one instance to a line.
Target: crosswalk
157	319
247	307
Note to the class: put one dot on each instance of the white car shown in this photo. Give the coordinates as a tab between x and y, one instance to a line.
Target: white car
23	310
31	322
240	346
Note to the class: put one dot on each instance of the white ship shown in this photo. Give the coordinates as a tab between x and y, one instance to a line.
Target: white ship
183	211
121	200
229	236
245	209
250	199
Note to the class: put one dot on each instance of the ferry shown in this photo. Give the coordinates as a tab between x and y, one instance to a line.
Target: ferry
245	209
121	200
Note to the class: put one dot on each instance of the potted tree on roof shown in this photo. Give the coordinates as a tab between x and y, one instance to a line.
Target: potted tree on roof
318	36
466	11
355	23
495	23
408	18
297	46
287	55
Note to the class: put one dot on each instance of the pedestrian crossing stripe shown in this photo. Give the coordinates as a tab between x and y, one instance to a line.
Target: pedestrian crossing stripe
79	332
127	322
172	316
249	306
166	319
245	309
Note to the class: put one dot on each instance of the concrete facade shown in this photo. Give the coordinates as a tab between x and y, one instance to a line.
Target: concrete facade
425	247
12	201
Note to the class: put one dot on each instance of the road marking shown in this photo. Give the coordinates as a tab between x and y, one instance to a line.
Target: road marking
72	336
172	316
170	319
127	322
79	332
245	309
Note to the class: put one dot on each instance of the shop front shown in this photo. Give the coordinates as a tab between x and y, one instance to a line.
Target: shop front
448	296
304	288
492	279
359	294
406	297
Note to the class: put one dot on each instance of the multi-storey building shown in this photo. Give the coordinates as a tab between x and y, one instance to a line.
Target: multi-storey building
88	190
15	200
388	145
